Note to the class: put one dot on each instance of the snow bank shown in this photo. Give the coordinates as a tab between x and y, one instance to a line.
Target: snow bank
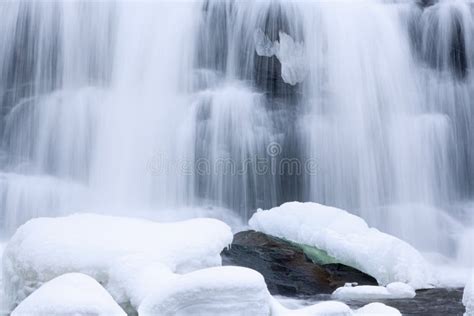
320	309
69	294
468	296
392	291
106	247
213	291
378	309
333	308
347	238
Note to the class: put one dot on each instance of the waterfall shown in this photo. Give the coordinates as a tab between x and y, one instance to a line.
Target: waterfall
363	105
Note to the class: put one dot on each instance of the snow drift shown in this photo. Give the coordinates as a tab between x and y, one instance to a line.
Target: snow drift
102	246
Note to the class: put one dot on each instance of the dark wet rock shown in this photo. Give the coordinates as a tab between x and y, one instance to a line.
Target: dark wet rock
429	302
426	3
286	268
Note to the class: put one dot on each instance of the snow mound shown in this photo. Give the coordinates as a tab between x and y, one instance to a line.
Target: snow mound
329	308
394	290
104	247
321	309
378	309
213	291
347	238
69	294
468	296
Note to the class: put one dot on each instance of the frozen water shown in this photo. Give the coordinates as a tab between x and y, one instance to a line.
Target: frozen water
291	55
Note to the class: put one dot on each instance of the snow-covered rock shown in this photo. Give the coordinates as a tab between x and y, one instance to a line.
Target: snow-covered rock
391	291
468	296
213	291
377	309
69	294
347	238
329	308
118	252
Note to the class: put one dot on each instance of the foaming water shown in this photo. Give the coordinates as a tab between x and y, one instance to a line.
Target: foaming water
174	105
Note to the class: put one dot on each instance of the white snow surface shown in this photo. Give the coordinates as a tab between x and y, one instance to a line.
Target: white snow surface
126	255
468	296
349	239
212	291
377	309
395	290
69	294
330	308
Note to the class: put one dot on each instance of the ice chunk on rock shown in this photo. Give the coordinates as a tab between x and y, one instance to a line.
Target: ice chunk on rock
97	245
377	309
263	45
468	296
290	53
347	238
213	291
392	291
69	294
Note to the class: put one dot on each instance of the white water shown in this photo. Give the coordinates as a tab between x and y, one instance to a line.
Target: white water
161	105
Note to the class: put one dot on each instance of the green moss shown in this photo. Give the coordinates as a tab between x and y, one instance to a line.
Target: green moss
316	255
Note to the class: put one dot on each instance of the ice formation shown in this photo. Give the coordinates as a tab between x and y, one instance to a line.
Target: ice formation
290	53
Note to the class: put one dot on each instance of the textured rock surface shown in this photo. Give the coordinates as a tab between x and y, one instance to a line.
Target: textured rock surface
286	268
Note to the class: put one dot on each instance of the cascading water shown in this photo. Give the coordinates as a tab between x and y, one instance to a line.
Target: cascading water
159	105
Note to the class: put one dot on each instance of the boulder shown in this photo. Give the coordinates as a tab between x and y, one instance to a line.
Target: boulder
286	268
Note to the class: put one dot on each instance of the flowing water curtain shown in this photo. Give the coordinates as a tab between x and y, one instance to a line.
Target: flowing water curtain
146	104
118	98
242	104
383	149
52	56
